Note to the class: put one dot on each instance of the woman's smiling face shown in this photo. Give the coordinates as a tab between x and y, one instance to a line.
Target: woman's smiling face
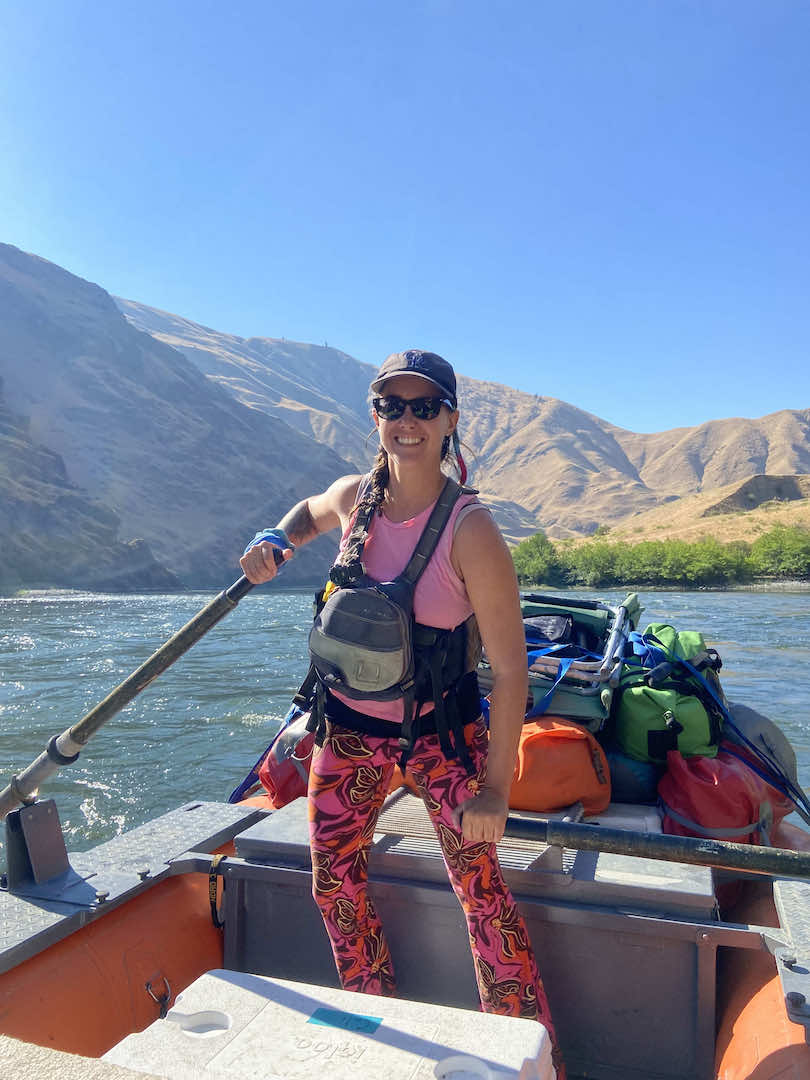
407	438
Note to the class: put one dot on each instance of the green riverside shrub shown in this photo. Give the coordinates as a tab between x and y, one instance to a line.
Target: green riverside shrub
781	553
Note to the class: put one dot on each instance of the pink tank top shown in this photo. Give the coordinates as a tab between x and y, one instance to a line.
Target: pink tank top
440	598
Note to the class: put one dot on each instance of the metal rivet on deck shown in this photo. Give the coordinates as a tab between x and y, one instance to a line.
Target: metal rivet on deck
101	897
144	873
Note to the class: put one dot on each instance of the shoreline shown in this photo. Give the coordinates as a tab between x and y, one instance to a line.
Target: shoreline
775	586
770	586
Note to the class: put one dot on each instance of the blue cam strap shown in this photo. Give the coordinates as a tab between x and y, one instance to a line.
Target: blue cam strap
562	671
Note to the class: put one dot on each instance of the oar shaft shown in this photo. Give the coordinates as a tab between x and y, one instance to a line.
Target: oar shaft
65	748
61	750
157	663
778	862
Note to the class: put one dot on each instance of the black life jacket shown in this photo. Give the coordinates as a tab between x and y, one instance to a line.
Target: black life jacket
366	645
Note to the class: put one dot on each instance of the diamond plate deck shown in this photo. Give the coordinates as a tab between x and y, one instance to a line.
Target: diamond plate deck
29	924
792	900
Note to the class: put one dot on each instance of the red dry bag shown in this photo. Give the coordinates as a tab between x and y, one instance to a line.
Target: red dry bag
722	798
284	773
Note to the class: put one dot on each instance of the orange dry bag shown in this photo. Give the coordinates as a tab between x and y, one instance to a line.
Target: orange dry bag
559	763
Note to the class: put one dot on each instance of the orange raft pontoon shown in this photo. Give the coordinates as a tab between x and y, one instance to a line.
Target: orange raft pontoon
619	937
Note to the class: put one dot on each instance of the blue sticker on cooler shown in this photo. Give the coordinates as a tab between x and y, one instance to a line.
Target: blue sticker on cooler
363	1025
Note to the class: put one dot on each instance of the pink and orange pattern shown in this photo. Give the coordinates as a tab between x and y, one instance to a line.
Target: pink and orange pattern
349	779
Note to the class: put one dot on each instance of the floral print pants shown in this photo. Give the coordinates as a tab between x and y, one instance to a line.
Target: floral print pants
349	780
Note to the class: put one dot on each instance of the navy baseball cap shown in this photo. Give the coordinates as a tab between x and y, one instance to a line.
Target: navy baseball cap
427	365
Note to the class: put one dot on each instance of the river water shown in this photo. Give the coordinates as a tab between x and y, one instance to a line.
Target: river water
195	732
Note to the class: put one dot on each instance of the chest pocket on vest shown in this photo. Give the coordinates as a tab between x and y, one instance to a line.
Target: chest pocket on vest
361	643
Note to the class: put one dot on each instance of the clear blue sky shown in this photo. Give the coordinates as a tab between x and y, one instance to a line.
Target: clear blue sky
602	201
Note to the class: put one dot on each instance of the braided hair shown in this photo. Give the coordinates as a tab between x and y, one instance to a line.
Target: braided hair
374	491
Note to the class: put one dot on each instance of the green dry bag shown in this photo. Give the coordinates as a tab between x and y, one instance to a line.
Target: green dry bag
659	705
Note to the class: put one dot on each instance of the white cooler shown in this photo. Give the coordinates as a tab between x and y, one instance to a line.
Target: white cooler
231	1024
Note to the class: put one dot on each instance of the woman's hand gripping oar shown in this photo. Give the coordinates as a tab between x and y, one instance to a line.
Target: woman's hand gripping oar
64	749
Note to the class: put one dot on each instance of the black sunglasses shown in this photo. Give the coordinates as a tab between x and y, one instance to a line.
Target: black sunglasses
423	408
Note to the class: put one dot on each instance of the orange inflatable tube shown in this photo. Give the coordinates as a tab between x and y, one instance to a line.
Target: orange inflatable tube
88	991
755	1038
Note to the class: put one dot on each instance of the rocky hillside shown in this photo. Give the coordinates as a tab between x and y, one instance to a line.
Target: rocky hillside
124	423
51	533
140	434
318	391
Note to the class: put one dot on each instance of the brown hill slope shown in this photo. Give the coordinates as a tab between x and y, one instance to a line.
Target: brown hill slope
720	452
51	533
317	390
556	461
541	462
735	512
177	459
194	438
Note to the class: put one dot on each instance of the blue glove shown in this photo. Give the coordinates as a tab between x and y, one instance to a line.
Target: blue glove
277	537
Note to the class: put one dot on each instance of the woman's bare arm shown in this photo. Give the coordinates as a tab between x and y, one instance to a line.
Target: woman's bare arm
309	518
484	561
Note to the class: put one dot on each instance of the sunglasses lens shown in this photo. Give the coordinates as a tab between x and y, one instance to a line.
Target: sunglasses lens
389	408
424	408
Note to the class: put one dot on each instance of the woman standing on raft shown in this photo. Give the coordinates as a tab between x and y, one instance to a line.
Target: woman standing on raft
466	793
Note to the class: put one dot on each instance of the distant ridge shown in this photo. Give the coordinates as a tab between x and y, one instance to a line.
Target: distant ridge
121	422
739	511
761	489
542	462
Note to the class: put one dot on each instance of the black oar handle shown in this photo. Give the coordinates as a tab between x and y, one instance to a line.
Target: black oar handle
776	862
566	601
240	588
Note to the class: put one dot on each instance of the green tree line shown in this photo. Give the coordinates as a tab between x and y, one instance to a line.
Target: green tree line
782	553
